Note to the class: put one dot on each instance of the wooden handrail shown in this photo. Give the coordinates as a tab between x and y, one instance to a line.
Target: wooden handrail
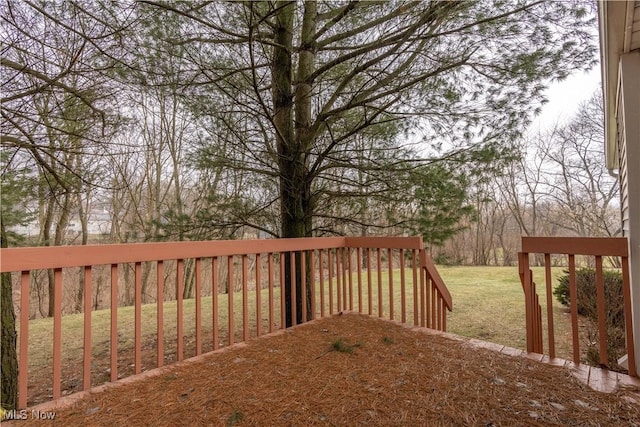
427	263
597	247
384	242
31	258
429	307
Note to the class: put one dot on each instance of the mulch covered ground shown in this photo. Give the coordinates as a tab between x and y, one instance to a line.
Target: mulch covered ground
355	370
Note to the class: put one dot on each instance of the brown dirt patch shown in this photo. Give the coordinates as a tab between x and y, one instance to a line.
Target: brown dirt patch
393	376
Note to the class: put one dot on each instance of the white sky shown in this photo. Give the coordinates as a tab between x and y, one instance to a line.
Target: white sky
565	97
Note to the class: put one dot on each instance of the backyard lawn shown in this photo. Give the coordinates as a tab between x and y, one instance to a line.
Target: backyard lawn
488	304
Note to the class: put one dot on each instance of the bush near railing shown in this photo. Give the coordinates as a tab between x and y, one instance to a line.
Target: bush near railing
587	307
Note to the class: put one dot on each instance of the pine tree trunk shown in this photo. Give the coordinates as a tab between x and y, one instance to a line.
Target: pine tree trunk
289	165
293	142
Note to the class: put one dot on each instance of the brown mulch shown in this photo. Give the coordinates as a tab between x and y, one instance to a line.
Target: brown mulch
354	370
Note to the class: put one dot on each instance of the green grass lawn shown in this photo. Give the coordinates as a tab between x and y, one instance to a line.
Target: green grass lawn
488	303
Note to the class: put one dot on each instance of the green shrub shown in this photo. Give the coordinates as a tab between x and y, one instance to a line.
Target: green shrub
587	307
587	294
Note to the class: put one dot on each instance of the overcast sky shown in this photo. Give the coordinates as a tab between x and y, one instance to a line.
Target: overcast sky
565	97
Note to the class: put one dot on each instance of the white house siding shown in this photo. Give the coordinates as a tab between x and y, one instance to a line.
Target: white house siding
628	117
622	168
619	24
634	40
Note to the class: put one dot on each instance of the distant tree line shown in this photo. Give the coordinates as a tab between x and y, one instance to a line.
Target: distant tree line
558	185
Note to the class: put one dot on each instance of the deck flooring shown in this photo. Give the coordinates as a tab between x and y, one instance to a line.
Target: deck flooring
420	375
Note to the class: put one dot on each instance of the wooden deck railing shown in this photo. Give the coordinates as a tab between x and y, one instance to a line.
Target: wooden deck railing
343	273
572	247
